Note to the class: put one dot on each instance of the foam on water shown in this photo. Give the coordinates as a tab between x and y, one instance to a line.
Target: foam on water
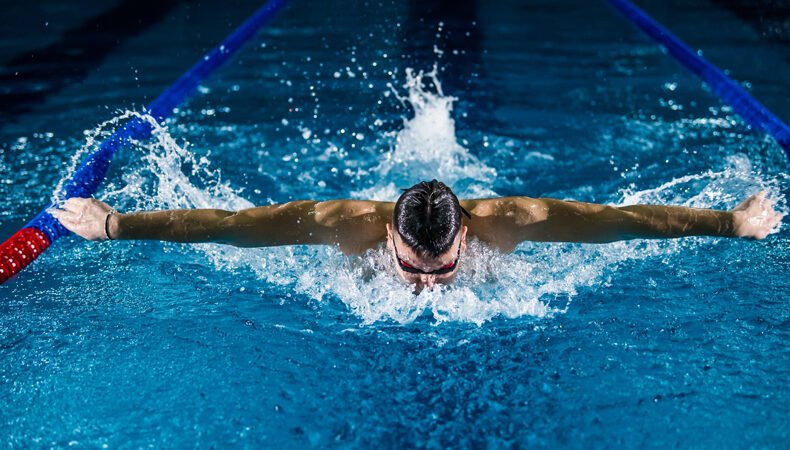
427	148
720	189
537	280
93	139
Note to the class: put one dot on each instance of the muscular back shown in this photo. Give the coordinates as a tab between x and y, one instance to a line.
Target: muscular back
354	225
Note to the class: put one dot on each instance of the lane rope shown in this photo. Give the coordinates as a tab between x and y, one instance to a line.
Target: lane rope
27	244
724	87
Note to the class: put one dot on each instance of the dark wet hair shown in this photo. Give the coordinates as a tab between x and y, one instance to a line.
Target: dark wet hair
428	217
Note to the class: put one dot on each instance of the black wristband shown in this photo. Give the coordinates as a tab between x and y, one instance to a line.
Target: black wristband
107	225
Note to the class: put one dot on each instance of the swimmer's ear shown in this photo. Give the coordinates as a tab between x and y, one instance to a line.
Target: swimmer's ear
463	237
389	233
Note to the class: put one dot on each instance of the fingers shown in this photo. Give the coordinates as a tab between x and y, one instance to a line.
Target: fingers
757	204
73	211
76	204
61	215
57	213
768	226
751	201
85	206
66	218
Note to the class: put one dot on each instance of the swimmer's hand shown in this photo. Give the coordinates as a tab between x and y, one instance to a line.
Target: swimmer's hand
755	217
84	217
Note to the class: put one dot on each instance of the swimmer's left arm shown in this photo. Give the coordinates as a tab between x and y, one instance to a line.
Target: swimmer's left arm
508	221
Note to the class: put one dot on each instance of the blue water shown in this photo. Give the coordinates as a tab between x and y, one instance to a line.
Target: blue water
634	344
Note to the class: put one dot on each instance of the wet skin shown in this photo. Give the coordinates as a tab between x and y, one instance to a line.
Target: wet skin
355	226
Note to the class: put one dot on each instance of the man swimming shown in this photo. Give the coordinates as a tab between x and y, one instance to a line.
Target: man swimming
425	230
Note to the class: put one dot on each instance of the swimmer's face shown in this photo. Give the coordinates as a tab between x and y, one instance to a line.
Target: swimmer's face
399	249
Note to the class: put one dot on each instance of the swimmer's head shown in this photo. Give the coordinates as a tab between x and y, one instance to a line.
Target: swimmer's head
427	235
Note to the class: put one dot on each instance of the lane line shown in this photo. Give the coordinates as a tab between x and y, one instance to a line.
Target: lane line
724	87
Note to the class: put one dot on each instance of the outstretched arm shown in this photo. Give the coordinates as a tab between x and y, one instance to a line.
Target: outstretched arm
507	221
353	225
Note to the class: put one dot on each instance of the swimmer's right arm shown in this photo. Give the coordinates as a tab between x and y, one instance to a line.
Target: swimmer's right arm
353	225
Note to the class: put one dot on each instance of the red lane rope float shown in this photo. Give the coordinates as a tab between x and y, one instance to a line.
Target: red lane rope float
20	250
27	244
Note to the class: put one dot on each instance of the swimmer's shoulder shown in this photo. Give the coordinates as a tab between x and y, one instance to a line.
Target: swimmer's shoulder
369	211
495	221
518	209
356	225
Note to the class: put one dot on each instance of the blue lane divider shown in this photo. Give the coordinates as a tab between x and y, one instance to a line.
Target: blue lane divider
730	92
28	243
92	170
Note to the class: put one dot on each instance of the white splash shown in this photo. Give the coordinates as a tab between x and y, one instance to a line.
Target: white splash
427	147
722	188
537	280
93	139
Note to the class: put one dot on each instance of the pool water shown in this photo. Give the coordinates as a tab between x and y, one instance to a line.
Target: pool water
629	344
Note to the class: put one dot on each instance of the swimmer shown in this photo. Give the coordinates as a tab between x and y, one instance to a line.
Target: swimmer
425	230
